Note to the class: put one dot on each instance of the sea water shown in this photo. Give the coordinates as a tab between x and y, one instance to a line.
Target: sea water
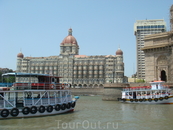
91	113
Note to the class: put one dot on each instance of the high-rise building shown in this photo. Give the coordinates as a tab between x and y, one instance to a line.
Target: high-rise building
141	29
171	18
75	69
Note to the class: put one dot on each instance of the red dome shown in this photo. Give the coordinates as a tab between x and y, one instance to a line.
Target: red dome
119	52
20	55
69	38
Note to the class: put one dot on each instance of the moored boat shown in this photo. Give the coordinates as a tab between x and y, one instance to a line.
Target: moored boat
157	93
35	95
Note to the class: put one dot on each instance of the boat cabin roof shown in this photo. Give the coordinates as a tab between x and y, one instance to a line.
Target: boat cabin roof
28	75
154	85
157	82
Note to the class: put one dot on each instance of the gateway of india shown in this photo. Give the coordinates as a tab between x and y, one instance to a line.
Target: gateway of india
75	69
158	49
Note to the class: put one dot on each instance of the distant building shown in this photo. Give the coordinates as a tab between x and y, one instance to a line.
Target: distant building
158	51
75	69
132	80
5	70
141	29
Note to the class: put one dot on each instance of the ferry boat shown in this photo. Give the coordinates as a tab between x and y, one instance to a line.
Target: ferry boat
156	93
36	95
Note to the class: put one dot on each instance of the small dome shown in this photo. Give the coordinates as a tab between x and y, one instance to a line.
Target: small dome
20	55
119	52
69	38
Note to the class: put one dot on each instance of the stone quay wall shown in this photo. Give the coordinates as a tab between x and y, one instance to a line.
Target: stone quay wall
87	91
113	91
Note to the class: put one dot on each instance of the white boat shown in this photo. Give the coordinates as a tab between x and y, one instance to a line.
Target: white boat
157	93
37	95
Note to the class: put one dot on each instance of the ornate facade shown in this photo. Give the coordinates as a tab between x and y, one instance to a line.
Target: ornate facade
158	51
75	69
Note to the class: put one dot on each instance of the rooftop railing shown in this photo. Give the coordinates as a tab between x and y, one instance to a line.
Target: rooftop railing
39	86
143	88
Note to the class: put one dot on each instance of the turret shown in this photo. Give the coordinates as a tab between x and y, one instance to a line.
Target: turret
119	71
20	56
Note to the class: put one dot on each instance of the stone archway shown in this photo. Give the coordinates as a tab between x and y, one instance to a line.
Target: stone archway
162	70
85	85
163	76
162	60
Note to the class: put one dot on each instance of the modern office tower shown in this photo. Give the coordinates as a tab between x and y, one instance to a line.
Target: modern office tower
171	17
141	29
75	69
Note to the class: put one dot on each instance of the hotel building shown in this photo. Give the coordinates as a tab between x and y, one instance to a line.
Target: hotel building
75	69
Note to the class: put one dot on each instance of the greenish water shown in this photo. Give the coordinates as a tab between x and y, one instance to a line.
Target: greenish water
91	113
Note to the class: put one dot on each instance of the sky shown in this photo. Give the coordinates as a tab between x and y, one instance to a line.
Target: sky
37	27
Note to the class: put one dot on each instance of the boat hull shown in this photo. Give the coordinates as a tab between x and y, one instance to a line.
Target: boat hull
37	114
169	100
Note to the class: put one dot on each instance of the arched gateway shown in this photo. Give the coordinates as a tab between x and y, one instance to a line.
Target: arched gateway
162	64
163	76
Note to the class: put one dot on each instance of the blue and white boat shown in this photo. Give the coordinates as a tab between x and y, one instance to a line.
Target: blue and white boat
156	93
35	95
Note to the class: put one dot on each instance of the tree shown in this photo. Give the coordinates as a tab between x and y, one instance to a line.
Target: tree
10	79
0	77
110	81
6	79
140	81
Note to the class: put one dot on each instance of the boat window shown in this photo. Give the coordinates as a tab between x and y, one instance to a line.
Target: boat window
28	95
51	94
63	94
47	79
41	79
156	86
11	96
46	95
35	94
1	95
130	93
58	94
53	80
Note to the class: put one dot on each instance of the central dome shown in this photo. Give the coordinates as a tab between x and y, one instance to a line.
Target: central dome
20	55
69	38
119	52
